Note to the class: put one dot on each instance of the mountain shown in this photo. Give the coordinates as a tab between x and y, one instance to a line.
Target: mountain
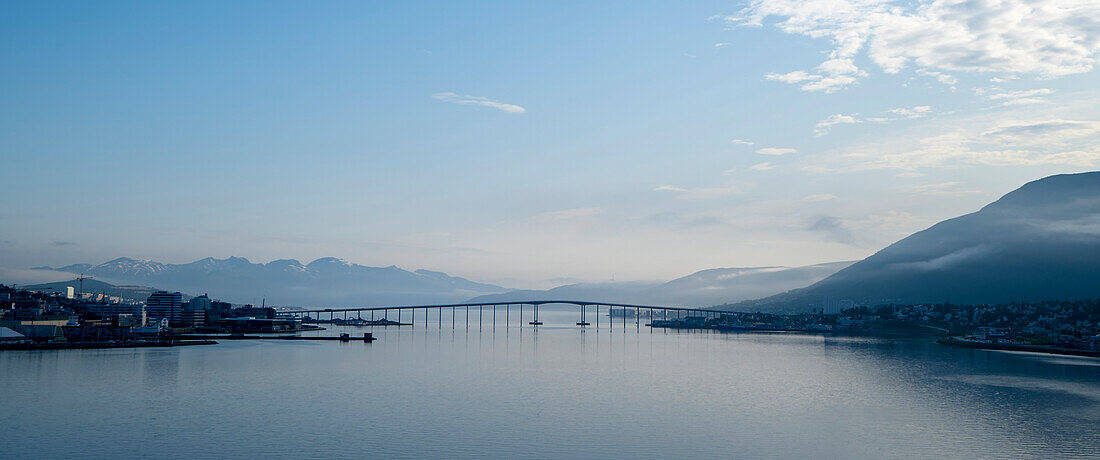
95	287
703	288
1039	242
325	282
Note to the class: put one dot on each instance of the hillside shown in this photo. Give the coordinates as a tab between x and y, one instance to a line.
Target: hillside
703	288
1039	242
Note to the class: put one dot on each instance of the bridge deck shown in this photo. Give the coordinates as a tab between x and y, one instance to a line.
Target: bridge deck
579	303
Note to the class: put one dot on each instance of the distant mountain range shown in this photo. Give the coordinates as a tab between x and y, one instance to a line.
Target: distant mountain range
326	282
1039	242
703	288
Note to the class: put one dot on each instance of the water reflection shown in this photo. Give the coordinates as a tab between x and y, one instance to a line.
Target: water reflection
555	391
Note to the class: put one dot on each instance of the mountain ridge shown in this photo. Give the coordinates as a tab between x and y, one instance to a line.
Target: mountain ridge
326	281
703	288
1038	242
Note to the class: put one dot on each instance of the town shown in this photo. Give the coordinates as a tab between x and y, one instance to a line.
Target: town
70	319
1036	326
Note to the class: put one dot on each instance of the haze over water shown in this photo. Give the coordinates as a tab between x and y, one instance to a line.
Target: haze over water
443	392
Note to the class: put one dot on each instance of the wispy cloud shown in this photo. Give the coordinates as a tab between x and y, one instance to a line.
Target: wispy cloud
1047	38
742	142
567	214
833	229
702	193
63	243
478	101
938	189
902	113
669	188
822	127
721	45
983	140
681	221
775	151
1054	132
939	76
1009	98
762	166
818	198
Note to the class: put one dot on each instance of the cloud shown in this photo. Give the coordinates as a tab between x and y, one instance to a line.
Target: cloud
567	214
762	166
819	81
702	193
1009	98
742	142
1045	38
939	189
721	45
939	76
983	141
915	112
944	261
833	229
1055	132
478	101
797	76
818	198
669	188
822	127
63	243
680	221
775	151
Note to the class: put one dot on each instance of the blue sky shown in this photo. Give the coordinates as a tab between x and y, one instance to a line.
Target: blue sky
529	143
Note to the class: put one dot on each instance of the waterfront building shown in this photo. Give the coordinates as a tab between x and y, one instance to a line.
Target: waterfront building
164	304
200	303
191	318
8	335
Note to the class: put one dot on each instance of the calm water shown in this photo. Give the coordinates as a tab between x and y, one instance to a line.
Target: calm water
557	393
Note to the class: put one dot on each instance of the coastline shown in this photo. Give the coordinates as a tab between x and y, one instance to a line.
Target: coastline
1019	347
95	346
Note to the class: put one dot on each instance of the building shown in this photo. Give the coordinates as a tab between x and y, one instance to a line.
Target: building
112	309
164	304
200	303
69	292
191	318
8	335
253	312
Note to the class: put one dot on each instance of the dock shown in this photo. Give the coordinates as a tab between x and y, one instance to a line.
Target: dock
367	337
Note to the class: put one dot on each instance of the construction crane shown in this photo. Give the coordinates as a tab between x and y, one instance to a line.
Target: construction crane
81	278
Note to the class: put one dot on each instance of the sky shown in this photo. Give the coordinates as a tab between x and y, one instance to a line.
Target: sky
529	144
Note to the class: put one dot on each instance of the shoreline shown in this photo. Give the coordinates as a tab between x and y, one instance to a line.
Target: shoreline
97	346
1019	347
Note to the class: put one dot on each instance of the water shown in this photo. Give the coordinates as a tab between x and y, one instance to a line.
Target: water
439	392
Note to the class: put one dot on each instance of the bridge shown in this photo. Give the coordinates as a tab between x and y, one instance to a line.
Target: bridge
486	313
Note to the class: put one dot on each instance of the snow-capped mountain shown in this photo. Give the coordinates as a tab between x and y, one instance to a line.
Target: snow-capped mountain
325	282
